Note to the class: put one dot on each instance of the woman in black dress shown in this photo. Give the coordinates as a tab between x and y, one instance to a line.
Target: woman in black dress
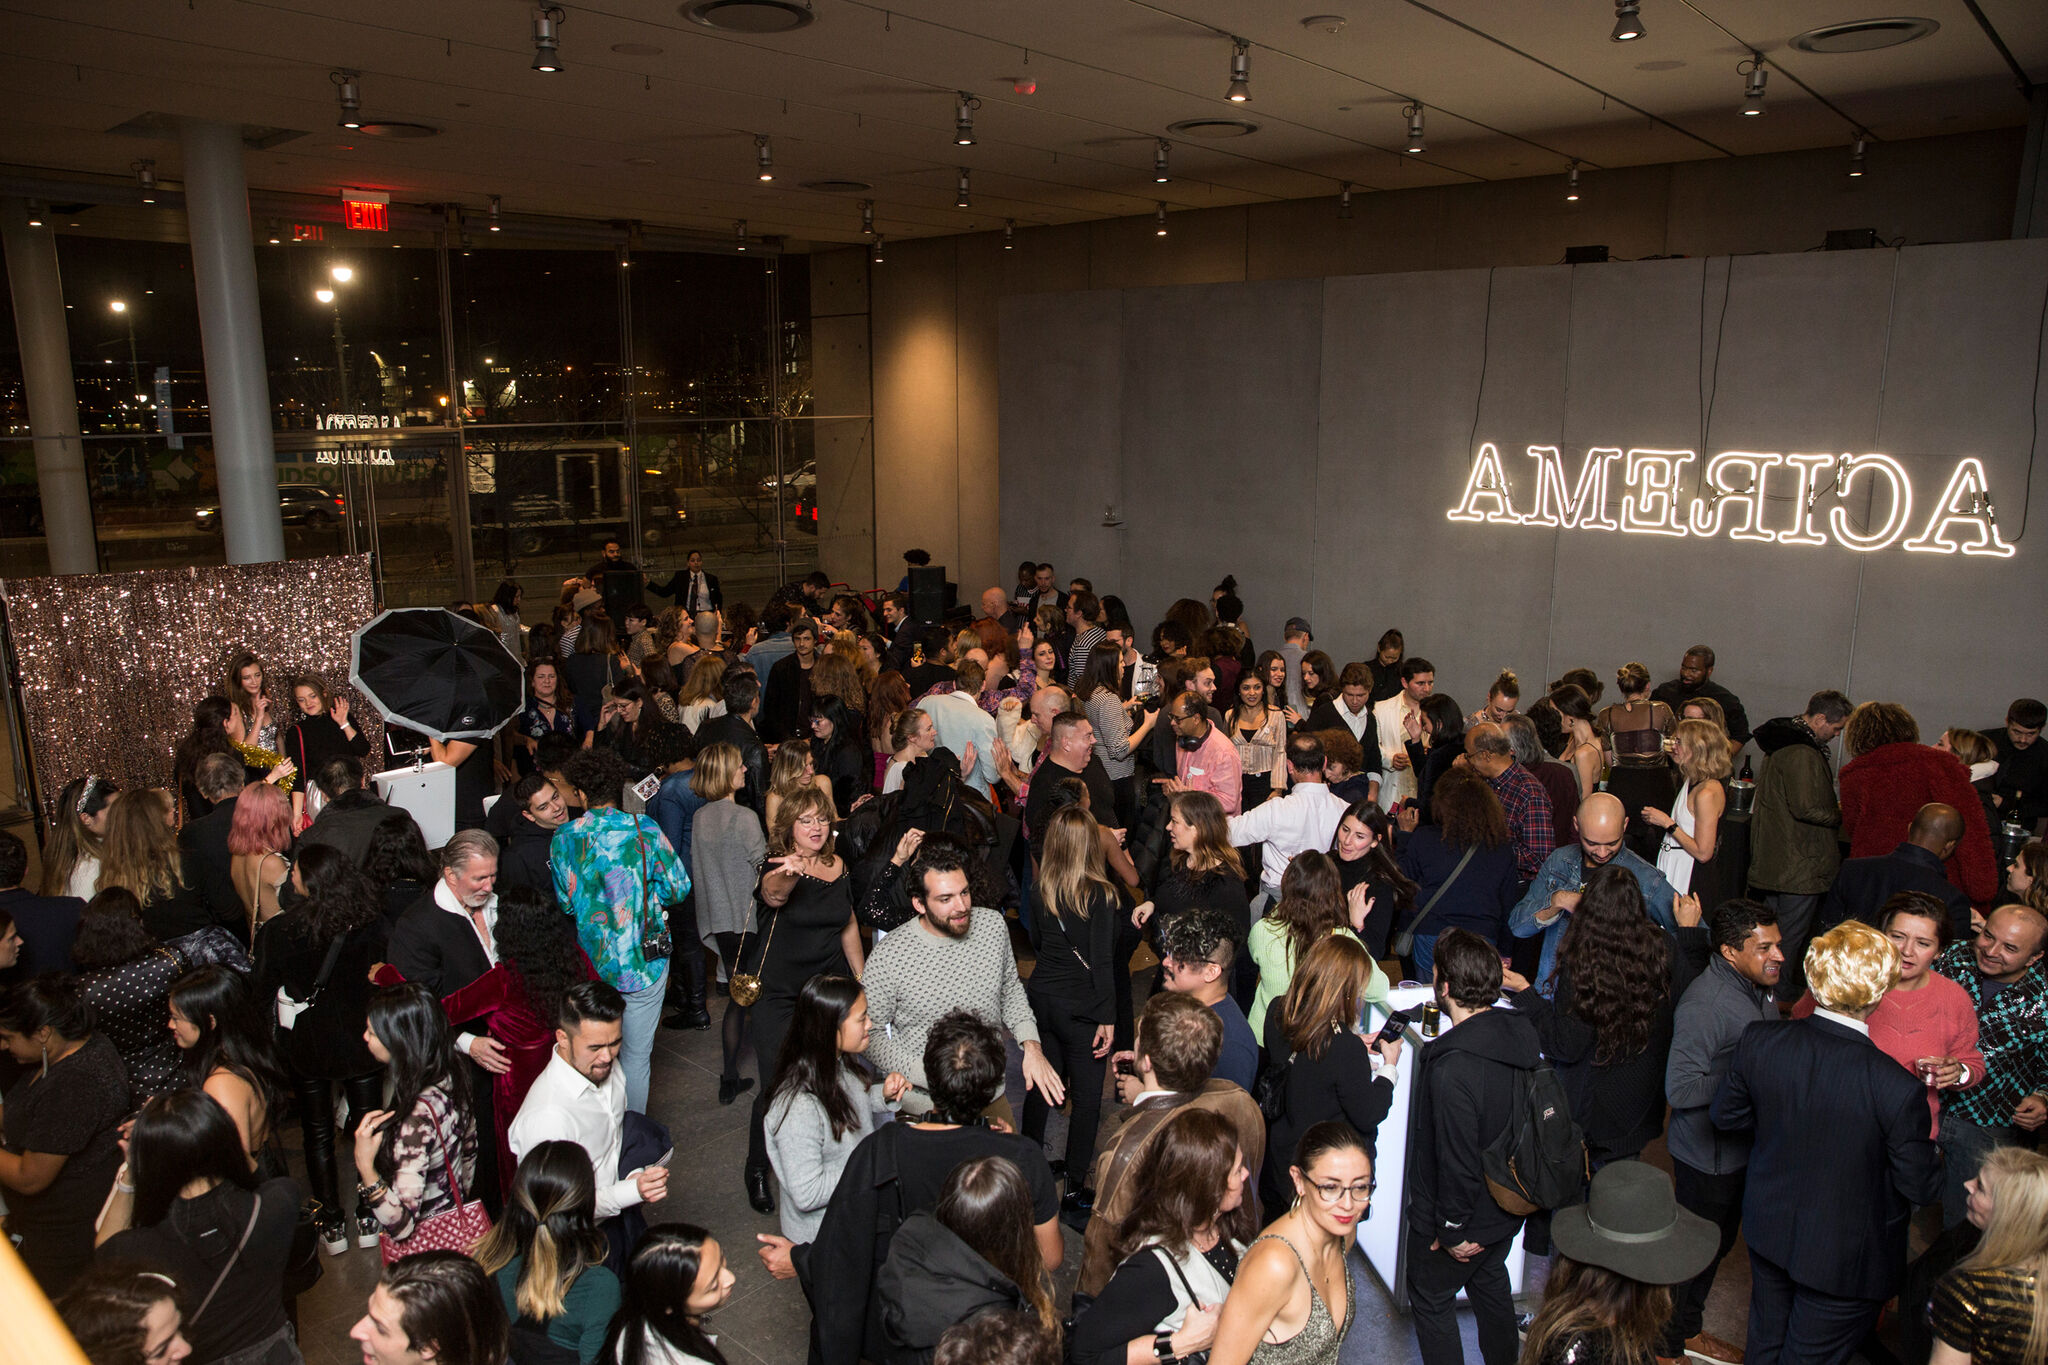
840	751
1072	994
807	927
321	729
1364	850
126	975
1202	870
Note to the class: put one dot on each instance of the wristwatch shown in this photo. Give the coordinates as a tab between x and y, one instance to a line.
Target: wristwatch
1162	1347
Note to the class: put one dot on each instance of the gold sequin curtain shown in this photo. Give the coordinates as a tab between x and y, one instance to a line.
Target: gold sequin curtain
111	664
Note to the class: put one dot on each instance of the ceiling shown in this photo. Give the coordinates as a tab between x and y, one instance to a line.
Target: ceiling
654	117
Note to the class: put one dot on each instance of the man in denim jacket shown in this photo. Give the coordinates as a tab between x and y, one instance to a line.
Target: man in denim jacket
1542	909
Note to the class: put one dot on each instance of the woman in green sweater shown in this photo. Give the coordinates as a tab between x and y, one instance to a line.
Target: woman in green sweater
546	1256
1312	906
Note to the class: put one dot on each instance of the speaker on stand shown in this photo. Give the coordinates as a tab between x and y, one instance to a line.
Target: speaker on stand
932	598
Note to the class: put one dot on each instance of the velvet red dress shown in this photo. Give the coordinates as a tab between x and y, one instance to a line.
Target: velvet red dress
498	998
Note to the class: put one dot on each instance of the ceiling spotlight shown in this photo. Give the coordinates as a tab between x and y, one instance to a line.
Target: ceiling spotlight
1009	234
875	252
1628	24
1753	89
1240	71
494	213
35	213
740	231
1160	175
963	120
1344	203
1415	142
145	175
1856	158
764	160
275	232
960	195
1159	221
547	38
1571	185
348	89
867	217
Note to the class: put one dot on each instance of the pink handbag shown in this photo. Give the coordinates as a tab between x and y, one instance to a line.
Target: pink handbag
458	1229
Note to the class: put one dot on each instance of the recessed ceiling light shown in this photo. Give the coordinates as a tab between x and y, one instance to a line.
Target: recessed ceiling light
636	49
749	16
1864	35
1213	128
1328	23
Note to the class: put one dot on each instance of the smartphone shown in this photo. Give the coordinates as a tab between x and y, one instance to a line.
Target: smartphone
1396	1025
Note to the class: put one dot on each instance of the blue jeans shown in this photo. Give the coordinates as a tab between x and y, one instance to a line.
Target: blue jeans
1424	956
636	1049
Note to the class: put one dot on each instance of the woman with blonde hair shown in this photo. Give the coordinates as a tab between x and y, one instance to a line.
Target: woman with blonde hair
546	1257
791	771
726	846
837	675
1073	990
257	840
702	695
1331	1071
141	854
1692	827
1993	1308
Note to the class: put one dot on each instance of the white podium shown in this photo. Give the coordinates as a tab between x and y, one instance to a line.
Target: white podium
427	793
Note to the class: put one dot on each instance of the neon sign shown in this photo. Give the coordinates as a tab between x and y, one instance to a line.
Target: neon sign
1734	492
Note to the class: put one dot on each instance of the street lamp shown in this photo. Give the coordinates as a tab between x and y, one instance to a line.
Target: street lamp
120	308
341	274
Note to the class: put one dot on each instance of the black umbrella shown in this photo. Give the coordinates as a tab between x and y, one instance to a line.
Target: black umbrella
441	674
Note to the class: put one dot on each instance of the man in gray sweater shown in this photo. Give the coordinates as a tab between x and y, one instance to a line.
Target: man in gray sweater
1709	1166
954	955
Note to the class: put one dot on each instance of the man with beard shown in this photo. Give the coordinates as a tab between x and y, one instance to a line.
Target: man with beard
955	955
1555	891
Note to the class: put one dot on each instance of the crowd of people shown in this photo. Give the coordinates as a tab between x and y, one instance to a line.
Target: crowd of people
1171	878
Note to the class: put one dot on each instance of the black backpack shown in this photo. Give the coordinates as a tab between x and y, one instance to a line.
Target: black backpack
1539	1160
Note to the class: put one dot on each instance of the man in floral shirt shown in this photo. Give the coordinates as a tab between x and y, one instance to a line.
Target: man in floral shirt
614	873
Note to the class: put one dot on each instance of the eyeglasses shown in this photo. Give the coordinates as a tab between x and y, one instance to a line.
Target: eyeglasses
1344	1194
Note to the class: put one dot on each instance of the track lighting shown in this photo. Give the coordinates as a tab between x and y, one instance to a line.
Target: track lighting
875	252
867	217
764	159
1753	89
1160	174
145	175
961	198
1856	158
963	120
1344	203
1159	220
1009	234
348	89
547	38
1240	71
740	231
1628	24
35	213
494	213
1415	142
275	232
1571	185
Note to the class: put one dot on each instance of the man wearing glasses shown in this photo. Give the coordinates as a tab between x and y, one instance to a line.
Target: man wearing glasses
1465	1092
1205	759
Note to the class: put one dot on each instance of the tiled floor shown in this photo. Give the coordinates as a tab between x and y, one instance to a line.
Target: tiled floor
767	1320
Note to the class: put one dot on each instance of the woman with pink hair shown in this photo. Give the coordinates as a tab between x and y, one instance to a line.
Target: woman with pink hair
261	831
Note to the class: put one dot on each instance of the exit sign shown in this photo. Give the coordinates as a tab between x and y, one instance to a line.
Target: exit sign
366	210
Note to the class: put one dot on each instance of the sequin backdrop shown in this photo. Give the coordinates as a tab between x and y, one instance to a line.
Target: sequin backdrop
111	664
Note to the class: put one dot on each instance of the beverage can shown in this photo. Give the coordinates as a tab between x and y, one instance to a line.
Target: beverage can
1431	1020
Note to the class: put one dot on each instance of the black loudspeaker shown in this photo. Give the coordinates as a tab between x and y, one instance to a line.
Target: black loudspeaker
931	596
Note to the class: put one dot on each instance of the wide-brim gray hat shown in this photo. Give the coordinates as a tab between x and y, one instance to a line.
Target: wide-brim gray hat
1632	1225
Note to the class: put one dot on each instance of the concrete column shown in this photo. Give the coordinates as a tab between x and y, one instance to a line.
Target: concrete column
45	340
231	334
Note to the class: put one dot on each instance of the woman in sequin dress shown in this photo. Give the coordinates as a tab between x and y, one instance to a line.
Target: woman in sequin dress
253	719
1282	1308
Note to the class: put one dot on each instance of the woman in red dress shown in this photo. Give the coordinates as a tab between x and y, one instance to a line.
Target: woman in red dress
538	959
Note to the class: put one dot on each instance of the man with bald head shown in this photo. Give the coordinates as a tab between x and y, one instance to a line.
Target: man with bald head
995	605
1555	892
1865	884
1522	798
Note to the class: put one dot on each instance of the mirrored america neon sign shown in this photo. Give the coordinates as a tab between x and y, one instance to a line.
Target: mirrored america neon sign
1732	495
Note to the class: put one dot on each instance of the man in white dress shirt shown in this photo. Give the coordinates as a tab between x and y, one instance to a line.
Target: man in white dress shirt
1398	720
1305	819
581	1097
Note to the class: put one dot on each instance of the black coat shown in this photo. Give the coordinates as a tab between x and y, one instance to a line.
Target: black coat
1865	884
523	859
678	587
348	822
1324	716
326	1041
932	1280
438	949
46	925
733	730
785	693
1465	1093
204	842
1841	1156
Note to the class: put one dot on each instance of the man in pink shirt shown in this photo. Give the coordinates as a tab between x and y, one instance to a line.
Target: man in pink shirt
1207	760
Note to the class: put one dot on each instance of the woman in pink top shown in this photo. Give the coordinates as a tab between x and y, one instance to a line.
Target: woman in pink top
1926	1022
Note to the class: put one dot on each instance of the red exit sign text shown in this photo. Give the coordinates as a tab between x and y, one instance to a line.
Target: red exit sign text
366	210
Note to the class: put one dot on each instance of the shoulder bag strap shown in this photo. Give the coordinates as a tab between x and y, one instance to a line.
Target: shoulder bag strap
255	1208
1416	927
326	967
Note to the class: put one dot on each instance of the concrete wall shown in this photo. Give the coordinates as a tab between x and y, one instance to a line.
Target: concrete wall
927	473
1309	436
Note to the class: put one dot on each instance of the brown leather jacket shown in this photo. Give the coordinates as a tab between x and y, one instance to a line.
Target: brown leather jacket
1124	1137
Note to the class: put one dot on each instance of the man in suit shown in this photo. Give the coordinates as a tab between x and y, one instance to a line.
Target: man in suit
693	590
350	818
742	692
445	940
204	841
1865	884
1841	1157
901	629
45	923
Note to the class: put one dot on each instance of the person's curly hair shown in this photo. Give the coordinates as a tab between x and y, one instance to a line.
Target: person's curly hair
1467	811
1876	724
539	943
1618	962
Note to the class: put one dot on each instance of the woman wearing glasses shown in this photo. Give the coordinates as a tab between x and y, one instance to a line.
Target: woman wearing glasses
1291	1303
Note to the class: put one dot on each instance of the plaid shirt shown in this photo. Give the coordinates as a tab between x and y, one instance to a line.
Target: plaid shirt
1530	819
2012	1033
